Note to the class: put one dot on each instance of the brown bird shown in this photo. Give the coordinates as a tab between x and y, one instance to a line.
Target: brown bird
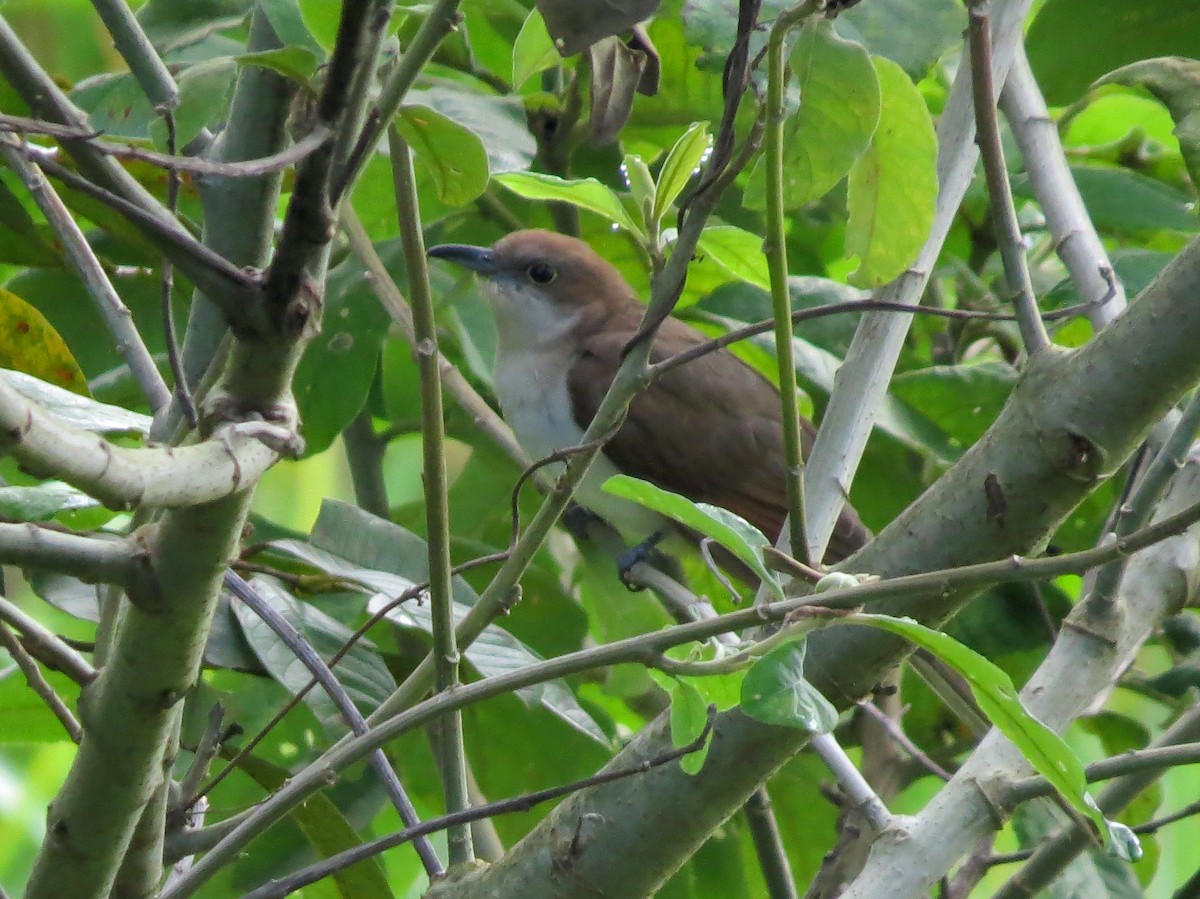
709	429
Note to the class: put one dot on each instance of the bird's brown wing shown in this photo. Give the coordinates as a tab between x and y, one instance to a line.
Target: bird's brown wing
709	430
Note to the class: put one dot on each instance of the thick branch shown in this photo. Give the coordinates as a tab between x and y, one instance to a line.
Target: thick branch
1071	422
122	477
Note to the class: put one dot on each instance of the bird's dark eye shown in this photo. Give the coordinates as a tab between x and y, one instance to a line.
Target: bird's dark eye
541	273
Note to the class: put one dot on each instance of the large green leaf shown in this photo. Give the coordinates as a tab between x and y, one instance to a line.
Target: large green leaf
497	121
893	185
1073	42
735	534
1127	202
839	109
586	193
1045	750
362	672
774	691
962	400
348	542
737	251
451	154
533	50
339	364
21	241
25	714
327	830
1176	82
29	343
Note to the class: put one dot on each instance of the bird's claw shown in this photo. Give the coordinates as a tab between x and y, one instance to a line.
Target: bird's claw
643	552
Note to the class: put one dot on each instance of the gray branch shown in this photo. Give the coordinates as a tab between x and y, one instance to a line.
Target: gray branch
123	477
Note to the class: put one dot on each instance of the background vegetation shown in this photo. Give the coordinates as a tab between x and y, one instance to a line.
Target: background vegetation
676	145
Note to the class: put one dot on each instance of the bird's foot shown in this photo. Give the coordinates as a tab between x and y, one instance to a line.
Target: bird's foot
643	552
578	521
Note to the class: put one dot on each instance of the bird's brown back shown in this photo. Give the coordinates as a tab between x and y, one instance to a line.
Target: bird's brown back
709	430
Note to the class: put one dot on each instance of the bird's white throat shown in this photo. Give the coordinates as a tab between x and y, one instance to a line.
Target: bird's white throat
533	363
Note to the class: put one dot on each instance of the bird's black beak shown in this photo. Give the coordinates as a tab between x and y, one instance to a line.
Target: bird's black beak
477	259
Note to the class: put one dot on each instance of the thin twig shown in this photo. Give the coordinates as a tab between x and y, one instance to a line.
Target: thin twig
848	306
136	49
1145	493
304	652
775	248
193	165
287	885
896	732
113	310
769	846
1004	211
449	746
46	646
1075	237
182	390
212	273
646	649
38	683
858	792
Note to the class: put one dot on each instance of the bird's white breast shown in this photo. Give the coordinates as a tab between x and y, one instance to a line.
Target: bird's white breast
532	366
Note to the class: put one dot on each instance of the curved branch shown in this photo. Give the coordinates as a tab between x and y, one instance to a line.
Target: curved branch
233	459
95	560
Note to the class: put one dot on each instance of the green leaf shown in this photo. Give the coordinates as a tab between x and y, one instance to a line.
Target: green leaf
21	241
288	23
533	50
321	18
25	714
586	193
497	121
348	542
1127	202
326	830
29	343
912	33
893	186
839	109
42	501
681	164
962	400
1045	750
294	62
641	184
451	154
774	691
204	93
735	534
1073	42
689	715
79	411
738	252
361	671
1176	83
335	374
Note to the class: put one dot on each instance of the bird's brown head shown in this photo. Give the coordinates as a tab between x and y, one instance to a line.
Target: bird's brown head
542	281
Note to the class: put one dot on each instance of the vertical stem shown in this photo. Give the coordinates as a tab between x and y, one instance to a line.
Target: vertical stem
364	453
775	247
437	513
147	68
1004	212
768	846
